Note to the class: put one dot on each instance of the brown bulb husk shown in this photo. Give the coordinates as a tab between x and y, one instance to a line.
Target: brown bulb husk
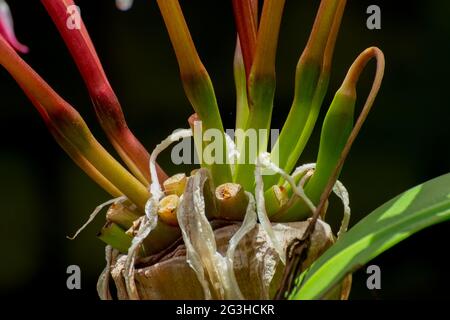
256	265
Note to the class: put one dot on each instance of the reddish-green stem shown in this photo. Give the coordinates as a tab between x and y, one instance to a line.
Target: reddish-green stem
106	103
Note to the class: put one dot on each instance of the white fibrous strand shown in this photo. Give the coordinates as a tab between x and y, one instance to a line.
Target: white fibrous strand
233	153
103	280
340	190
155	187
199	237
250	221
265	162
150	220
301	170
96	212
214	271
261	209
146	226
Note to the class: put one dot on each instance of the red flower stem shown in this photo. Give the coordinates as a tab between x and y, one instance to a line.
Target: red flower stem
106	103
247	27
70	126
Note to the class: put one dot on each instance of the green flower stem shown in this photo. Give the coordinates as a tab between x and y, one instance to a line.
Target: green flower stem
115	236
232	201
245	167
175	184
196	81
261	89
275	198
336	129
167	209
200	93
122	215
76	155
289	145
338	135
311	84
112	170
321	89
161	237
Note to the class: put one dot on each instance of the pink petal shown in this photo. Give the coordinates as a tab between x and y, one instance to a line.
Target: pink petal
124	5
7	28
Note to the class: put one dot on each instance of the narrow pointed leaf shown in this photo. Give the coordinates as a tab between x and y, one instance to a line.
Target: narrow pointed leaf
418	208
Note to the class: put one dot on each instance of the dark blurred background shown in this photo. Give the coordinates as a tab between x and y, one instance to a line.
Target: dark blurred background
404	142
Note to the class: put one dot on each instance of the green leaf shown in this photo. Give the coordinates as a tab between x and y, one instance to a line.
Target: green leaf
420	207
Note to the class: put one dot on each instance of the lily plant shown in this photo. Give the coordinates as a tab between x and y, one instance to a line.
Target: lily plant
150	212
